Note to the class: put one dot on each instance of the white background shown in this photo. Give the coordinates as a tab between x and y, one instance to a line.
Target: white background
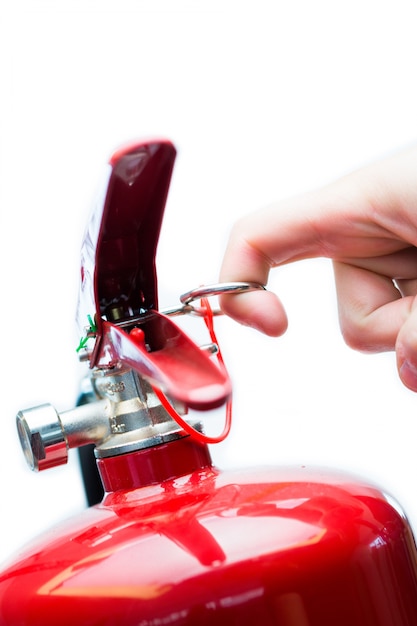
263	100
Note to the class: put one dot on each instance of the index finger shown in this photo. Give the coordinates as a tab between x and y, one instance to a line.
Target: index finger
263	240
334	222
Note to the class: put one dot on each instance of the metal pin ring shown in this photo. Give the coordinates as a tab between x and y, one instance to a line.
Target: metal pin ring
218	289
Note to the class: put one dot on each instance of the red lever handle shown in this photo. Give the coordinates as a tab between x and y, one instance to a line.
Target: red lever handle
118	282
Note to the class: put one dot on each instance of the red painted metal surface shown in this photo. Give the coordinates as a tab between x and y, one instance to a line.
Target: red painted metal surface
119	283
285	547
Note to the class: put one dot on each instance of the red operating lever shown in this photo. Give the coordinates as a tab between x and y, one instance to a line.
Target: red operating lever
119	285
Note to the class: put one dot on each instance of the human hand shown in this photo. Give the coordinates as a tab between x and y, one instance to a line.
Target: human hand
367	224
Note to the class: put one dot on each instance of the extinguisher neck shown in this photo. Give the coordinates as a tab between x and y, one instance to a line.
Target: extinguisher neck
153	465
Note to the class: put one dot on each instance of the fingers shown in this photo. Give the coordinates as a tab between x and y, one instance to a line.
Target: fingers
374	317
308	226
406	349
367	219
371	309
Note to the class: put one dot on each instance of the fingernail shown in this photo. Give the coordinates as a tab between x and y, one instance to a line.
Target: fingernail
408	374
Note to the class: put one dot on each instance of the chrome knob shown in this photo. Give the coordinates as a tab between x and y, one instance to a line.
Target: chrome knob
42	437
46	435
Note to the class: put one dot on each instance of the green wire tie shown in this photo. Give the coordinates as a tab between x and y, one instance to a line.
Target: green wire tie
91	333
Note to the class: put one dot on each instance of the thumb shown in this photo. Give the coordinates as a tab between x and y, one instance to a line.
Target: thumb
406	349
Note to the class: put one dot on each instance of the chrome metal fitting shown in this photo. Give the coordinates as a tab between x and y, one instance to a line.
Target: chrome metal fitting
125	415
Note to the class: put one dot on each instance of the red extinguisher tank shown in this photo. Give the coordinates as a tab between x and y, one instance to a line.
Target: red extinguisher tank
175	541
284	547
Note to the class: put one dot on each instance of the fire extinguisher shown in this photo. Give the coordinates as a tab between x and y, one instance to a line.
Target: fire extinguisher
174	540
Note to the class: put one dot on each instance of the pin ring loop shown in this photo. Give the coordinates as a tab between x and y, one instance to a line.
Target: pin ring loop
218	289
